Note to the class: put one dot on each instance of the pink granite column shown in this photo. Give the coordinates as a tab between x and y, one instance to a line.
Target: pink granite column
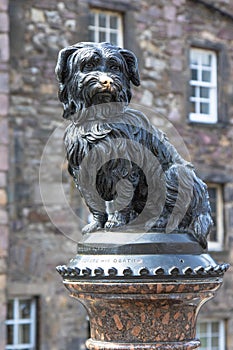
148	315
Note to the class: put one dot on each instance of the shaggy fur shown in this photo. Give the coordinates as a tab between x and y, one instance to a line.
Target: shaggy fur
125	168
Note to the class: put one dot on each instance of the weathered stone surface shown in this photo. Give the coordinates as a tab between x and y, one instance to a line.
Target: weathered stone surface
4	80
3	198
4	22
4	48
163	31
4	136
3	158
4	238
2	179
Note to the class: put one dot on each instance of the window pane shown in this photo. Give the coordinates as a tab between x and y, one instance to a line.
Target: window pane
203	342
102	20
194	57
203	72
213	234
24	308
206	60
206	76
10	310
10	334
24	334
194	74
106	27
204	108
204	92
102	36
92	19
91	35
213	199
213	338
113	22
113	38
215	327
194	91
215	342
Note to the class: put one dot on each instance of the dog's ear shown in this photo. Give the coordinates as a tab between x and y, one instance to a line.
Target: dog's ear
62	71
61	68
132	66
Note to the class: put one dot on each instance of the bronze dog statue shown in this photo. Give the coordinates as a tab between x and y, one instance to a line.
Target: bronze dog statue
125	168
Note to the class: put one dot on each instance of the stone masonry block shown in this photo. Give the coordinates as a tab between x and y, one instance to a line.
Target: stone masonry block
4	83
2	179
174	30
4	5
4	48
4	103
4	236
3	158
170	13
3	198
2	282
3	131
3	217
4	22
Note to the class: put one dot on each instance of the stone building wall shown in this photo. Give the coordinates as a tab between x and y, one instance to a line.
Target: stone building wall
43	231
38	30
4	143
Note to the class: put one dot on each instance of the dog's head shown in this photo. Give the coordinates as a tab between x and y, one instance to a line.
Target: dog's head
91	74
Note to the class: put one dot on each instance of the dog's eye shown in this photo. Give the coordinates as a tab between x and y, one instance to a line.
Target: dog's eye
89	65
115	67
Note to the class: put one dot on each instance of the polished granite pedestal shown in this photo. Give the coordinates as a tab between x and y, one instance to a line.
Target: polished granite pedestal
142	290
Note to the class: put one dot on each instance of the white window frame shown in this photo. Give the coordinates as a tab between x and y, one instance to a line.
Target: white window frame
209	334
218	244
199	117
96	29
16	322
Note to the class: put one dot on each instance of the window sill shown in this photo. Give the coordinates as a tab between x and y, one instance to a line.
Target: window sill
219	124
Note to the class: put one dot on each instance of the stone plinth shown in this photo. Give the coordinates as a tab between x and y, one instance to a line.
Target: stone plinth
142	301
143	315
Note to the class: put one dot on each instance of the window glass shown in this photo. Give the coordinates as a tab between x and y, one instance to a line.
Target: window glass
21	324
211	334
102	20
113	22
10	309
204	92
24	308
105	26
10	333
216	236
102	36
203	81
113	38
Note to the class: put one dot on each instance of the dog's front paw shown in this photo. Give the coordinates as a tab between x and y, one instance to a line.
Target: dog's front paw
92	227
111	224
154	224
115	220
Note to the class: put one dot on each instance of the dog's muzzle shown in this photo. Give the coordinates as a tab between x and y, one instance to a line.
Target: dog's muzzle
101	88
106	90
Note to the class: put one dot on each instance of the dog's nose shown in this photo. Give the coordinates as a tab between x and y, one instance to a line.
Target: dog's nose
106	81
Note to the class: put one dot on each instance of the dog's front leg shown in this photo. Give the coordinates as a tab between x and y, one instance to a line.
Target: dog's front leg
97	223
118	218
